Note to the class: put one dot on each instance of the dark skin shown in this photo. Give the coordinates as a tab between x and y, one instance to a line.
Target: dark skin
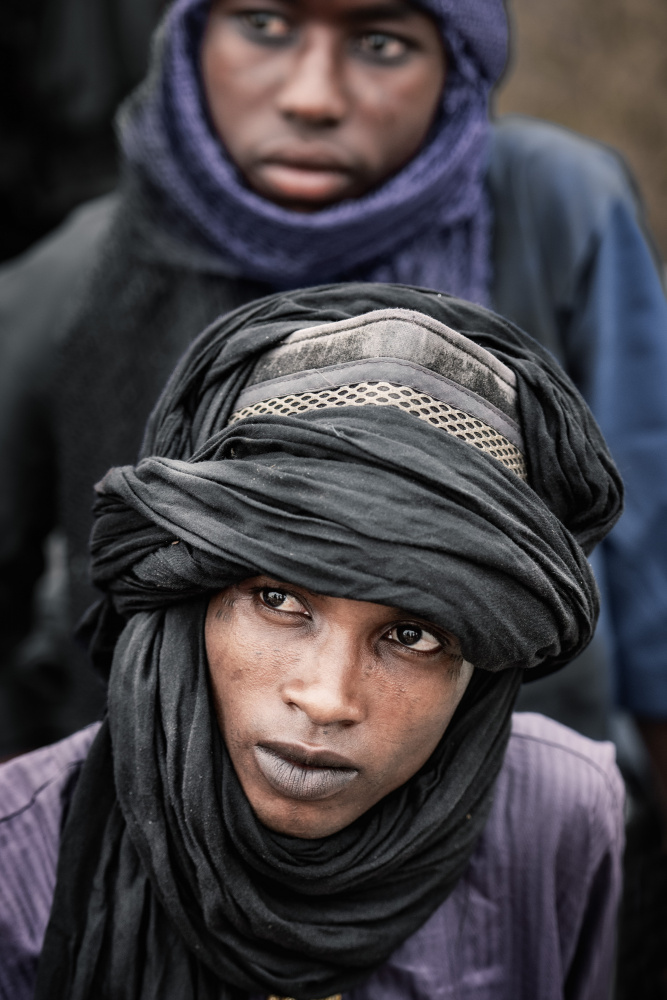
326	705
317	101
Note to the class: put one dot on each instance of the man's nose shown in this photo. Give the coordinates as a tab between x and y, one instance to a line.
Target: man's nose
327	685
314	92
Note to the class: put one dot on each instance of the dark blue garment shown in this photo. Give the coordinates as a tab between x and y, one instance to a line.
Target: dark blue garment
535	907
574	269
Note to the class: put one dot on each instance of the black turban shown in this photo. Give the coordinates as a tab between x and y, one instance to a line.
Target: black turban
429	456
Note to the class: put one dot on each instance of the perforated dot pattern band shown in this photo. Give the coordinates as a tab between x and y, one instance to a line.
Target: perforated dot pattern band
433	411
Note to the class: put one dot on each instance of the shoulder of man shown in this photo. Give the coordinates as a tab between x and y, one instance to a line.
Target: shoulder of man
556	197
558	806
545	879
40	290
573	772
555	193
35	790
558	816
537	159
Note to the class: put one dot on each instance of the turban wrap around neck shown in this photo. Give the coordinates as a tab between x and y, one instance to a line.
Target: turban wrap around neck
278	448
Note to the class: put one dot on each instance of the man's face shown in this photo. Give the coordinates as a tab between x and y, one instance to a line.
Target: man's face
321	100
326	705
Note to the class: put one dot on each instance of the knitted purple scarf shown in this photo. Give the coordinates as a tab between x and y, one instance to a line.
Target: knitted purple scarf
430	224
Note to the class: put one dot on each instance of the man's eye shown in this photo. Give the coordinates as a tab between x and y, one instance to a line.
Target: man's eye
266	24
386	48
415	638
280	600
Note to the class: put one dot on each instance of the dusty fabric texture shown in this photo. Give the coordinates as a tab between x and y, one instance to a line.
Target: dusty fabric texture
399	358
429	224
168	886
401	346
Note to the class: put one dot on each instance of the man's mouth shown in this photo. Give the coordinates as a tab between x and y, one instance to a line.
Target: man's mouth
300	181
300	772
303	173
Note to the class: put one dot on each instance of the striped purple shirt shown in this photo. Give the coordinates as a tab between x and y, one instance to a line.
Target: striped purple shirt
535	910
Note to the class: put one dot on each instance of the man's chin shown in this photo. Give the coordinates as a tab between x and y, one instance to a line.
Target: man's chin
307	821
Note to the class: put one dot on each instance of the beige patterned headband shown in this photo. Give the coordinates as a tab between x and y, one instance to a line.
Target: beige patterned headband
393	357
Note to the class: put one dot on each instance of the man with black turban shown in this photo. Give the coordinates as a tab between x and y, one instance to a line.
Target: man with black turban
360	520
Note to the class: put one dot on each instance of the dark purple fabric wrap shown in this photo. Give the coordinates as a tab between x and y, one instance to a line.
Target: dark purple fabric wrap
428	225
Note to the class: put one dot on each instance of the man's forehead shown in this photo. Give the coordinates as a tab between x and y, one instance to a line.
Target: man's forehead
356	10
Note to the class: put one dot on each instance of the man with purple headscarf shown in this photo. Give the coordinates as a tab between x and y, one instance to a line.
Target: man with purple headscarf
428	223
373	172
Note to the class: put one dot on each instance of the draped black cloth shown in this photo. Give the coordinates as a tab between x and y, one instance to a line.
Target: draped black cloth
168	886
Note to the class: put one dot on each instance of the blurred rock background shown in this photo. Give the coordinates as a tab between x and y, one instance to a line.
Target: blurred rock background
600	68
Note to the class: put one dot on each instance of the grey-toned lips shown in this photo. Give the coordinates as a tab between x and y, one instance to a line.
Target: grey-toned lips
301	781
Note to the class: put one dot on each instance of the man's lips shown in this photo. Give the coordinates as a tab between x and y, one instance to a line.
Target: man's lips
315	172
314	155
308	756
301	772
301	181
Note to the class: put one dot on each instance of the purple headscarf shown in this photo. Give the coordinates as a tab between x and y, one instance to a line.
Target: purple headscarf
429	224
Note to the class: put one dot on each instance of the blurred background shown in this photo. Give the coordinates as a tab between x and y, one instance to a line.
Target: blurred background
597	66
64	67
